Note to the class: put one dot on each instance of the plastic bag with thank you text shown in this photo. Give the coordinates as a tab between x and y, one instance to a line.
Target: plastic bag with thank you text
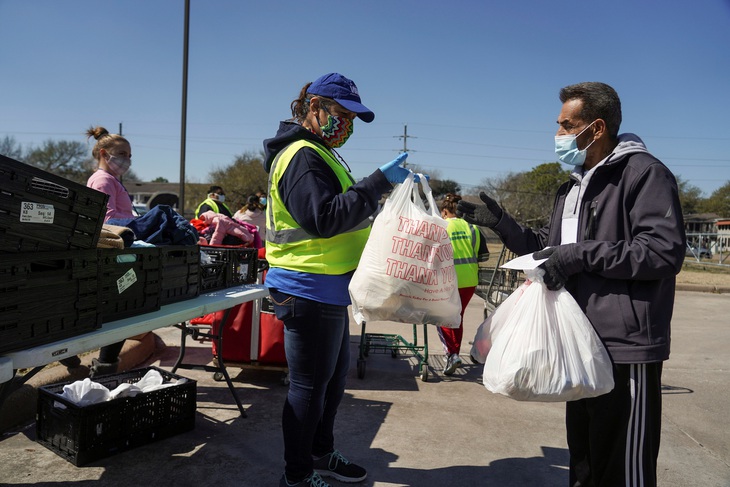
406	272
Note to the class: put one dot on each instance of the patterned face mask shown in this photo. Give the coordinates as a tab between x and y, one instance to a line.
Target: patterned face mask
118	166
337	130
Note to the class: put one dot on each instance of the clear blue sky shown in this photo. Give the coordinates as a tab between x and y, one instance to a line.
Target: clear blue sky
476	82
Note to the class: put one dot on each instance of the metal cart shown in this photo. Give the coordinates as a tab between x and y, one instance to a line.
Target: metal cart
393	344
496	284
261	307
203	332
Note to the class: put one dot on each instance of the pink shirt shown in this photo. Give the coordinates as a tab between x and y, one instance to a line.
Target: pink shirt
119	204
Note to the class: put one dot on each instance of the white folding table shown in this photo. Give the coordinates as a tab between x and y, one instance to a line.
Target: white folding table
36	358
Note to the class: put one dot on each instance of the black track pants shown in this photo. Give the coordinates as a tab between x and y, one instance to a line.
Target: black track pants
614	438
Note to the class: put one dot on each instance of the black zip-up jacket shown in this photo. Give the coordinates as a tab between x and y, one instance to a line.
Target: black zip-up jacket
629	249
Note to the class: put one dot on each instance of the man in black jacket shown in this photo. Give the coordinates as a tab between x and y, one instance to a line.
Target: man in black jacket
616	242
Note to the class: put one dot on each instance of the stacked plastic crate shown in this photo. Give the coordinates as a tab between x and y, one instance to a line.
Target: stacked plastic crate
49	271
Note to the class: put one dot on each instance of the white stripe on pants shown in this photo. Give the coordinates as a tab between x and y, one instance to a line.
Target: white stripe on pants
637	427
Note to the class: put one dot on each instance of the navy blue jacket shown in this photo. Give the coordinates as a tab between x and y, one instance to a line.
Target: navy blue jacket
160	226
309	187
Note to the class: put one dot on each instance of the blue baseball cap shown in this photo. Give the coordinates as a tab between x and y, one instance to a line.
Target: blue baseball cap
344	92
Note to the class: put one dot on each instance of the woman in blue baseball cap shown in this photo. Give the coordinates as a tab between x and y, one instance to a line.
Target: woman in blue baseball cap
317	223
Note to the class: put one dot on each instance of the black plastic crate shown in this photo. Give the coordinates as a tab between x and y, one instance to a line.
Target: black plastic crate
130	282
223	267
40	211
47	296
180	273
212	276
83	434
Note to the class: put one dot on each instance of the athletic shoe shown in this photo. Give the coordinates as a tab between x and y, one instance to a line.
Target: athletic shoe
452	363
313	480
338	467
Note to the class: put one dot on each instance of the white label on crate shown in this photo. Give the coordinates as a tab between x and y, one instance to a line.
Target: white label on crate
126	280
36	212
243	270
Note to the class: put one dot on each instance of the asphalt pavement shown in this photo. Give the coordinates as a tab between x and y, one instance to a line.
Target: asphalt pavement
448	430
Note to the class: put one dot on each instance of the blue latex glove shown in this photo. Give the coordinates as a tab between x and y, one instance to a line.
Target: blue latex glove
394	172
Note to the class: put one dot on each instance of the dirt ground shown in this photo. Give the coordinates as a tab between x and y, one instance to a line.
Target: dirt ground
706	277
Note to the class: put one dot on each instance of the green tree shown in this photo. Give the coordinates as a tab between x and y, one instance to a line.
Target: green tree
245	176
441	187
130	176
690	196
718	202
160	179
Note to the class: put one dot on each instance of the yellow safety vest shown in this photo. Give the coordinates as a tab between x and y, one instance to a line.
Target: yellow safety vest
289	246
465	241
213	204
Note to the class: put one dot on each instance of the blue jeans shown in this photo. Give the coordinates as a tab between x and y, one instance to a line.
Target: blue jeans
316	341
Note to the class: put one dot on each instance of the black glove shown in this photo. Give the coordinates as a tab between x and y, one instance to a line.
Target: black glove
484	216
555	274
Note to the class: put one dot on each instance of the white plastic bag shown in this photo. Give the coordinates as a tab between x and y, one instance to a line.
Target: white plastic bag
544	348
84	393
491	326
406	271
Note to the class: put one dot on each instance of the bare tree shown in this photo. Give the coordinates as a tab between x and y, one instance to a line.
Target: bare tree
10	147
68	159
528	196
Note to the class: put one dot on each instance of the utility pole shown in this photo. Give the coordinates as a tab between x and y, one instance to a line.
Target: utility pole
183	124
405	138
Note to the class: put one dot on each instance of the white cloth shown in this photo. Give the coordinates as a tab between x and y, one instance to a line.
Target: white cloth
86	392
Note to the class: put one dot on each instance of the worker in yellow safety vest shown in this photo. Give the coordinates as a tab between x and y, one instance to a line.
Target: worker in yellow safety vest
317	223
214	202
470	248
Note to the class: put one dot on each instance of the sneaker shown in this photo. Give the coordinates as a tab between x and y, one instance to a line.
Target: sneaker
338	467
313	480
452	363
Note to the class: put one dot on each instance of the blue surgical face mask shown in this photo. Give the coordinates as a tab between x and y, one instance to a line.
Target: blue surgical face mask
262	200
566	147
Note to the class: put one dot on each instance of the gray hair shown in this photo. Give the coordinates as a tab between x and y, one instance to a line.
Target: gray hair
599	101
